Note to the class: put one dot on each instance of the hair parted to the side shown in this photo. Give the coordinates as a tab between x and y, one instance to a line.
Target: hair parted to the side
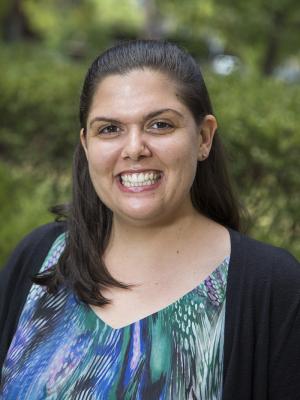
89	221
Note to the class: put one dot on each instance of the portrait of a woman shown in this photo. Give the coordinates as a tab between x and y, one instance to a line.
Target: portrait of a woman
146	286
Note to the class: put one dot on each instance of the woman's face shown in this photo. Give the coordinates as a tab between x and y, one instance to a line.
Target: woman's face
142	145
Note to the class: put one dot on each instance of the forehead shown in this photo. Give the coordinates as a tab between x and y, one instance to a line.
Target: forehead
135	93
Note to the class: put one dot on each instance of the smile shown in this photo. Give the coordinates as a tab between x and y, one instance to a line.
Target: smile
140	179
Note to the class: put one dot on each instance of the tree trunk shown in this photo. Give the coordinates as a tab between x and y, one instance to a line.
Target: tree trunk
15	24
153	20
273	43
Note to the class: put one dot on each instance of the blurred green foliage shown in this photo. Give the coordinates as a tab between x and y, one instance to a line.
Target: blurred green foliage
25	197
40	84
259	123
39	101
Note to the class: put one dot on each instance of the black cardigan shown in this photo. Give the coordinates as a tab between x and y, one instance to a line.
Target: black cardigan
262	320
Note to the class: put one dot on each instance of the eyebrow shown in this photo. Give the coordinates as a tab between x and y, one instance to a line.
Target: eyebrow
147	116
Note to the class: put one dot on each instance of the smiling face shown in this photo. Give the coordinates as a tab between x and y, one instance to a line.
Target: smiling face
142	145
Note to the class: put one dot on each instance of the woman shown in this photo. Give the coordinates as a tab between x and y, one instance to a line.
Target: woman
149	291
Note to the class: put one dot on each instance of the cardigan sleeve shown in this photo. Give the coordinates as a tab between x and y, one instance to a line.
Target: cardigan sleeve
262	323
15	280
284	368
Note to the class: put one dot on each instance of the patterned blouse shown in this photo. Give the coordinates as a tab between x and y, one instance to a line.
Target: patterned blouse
62	350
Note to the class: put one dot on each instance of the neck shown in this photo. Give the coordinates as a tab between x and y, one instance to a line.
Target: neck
150	247
155	234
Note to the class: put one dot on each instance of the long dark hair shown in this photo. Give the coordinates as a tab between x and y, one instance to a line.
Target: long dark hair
89	221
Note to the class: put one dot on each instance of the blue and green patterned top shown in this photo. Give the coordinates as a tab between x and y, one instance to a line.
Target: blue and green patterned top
62	350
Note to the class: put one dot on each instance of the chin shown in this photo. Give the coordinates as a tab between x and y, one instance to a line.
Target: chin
140	216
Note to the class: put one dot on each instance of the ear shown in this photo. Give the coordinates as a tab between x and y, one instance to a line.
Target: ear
208	128
83	140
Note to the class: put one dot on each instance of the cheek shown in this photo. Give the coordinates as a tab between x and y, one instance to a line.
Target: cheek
101	159
100	164
184	166
182	157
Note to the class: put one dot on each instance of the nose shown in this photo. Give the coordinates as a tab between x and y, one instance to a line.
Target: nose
135	146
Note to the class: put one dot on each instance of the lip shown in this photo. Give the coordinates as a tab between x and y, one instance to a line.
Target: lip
138	171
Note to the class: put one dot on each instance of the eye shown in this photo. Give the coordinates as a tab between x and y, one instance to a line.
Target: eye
161	126
109	130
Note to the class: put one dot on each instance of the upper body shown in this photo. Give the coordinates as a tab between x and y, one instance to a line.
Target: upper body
153	214
262	321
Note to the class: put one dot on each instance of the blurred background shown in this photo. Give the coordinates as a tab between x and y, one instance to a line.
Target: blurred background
249	52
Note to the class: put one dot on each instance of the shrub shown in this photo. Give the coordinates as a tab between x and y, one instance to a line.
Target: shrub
259	122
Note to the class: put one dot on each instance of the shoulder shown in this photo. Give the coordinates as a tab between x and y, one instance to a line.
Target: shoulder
30	253
37	240
42	235
261	263
15	277
26	260
256	252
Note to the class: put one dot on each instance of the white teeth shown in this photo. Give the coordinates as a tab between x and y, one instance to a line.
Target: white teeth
131	184
141	179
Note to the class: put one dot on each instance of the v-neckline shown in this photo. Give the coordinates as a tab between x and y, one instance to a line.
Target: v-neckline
100	320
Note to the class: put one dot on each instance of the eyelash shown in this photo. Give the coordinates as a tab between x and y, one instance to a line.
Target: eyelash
166	126
101	130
